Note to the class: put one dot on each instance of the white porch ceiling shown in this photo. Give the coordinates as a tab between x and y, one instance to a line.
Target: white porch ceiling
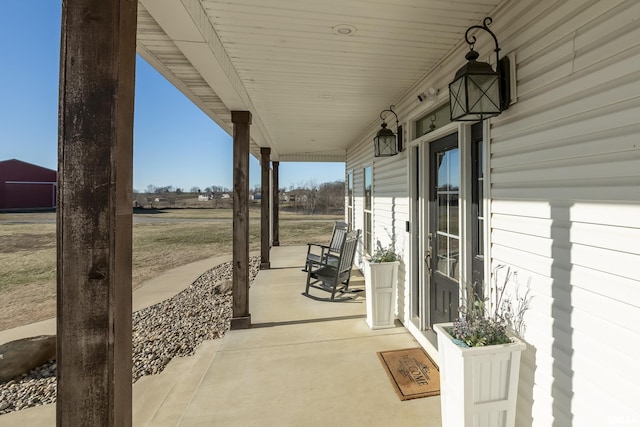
312	91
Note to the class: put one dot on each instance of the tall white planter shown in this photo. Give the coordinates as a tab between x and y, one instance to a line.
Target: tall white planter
478	385
381	286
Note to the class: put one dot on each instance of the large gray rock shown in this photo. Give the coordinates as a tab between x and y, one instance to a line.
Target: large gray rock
21	356
223	287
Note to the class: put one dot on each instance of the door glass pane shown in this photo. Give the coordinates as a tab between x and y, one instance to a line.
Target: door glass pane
443	171
480	237
442	213
453	214
368	180
453	170
441	260
447	225
454	258
444	217
367	233
480	198
433	120
448	260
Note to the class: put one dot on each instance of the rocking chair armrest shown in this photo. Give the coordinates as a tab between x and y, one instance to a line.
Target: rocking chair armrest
323	248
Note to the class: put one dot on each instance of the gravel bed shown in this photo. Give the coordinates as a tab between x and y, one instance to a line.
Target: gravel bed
171	328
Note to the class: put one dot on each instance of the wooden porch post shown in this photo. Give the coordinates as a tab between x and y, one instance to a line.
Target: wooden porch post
94	217
276	205
265	228
241	124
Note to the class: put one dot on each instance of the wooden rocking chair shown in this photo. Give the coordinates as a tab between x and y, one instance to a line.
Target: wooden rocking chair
317	254
333	275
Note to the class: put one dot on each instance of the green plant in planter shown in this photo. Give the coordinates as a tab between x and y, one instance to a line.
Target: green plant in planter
384	255
492	320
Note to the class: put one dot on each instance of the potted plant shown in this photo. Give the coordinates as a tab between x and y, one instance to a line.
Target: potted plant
480	360
381	277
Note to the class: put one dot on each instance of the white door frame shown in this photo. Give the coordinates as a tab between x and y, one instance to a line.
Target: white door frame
419	216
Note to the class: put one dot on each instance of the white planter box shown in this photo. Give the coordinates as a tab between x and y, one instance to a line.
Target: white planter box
381	287
478	385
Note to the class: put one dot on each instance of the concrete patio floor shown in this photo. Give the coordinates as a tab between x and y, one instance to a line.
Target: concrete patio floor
303	363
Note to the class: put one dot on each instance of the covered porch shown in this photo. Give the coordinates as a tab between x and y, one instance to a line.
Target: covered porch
307	95
295	81
303	362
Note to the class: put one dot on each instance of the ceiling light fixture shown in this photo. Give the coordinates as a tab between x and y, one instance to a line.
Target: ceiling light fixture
344	29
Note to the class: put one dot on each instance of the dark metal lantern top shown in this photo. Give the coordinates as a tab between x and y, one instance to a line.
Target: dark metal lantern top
384	131
474	67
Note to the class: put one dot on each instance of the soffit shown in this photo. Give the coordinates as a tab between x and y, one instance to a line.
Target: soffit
312	92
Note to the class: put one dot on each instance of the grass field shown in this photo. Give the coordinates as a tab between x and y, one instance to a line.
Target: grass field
162	240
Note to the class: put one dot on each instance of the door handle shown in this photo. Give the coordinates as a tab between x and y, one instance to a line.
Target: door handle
427	260
427	257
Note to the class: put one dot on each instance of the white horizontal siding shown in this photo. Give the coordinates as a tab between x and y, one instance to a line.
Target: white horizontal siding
565	189
391	188
391	211
390	202
358	157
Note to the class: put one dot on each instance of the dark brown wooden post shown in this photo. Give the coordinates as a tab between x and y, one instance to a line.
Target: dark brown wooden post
276	204
94	219
241	124
265	196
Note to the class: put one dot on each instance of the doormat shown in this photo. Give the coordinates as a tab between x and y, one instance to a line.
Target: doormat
412	373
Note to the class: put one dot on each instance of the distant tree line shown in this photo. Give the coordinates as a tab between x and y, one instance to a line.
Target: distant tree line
212	189
152	189
307	198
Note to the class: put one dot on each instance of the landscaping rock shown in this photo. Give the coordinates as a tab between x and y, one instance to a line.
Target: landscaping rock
169	329
21	356
224	287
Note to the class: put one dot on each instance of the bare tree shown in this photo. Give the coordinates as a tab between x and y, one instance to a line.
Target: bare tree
330	197
171	198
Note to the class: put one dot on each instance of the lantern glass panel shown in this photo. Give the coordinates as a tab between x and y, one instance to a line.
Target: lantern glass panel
458	95
483	94
385	145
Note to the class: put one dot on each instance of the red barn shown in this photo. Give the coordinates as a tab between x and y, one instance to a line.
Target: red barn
26	186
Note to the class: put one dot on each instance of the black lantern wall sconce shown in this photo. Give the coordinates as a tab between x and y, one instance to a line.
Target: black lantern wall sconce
478	92
386	143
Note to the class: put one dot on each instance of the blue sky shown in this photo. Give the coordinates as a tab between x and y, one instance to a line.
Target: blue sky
174	142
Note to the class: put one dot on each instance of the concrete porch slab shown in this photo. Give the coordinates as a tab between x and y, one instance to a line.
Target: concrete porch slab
304	362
